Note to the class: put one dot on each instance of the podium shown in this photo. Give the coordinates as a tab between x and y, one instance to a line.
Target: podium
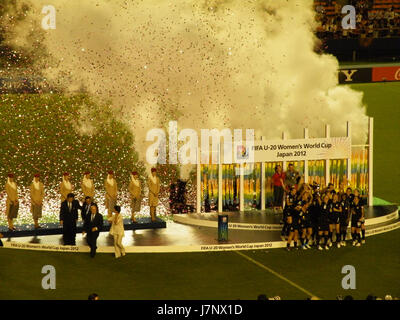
222	227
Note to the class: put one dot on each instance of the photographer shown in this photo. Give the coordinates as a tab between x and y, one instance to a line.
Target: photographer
292	177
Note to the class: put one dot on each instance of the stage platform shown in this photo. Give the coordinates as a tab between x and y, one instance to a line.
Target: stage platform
55	228
198	233
271	220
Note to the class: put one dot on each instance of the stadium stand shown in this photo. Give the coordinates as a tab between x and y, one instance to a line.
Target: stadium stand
374	19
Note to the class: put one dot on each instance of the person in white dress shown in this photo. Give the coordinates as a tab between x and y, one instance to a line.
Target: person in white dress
117	231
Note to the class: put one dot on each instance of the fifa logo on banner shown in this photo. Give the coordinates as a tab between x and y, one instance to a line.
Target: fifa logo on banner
242	153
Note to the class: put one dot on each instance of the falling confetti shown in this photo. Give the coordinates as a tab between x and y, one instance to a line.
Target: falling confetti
112	70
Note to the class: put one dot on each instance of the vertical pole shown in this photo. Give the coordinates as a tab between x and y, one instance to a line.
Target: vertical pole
371	162
349	159
284	166
198	182
327	162
241	187
262	183
306	161
219	179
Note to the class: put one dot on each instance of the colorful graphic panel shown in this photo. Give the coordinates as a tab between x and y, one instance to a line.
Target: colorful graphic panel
359	169
338	172
252	180
230	187
209	187
316	172
252	186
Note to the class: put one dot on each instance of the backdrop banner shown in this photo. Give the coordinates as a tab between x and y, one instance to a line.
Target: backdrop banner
386	74
294	150
368	74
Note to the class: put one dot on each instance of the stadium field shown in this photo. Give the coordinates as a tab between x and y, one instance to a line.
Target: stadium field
233	275
383	103
223	275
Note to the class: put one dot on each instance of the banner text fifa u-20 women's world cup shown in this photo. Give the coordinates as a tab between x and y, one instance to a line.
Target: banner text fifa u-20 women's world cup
302	149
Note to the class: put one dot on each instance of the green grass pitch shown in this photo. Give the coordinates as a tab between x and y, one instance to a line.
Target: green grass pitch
210	275
383	103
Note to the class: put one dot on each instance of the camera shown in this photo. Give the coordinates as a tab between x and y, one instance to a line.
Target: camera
316	187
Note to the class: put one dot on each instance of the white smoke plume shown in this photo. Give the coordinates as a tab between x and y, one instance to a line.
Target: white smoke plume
207	64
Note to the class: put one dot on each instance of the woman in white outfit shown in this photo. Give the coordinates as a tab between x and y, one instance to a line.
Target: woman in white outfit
117	230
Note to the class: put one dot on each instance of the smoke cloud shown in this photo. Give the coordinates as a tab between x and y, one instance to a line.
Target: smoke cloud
207	64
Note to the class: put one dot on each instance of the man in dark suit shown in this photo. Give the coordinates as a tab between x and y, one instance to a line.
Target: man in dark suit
68	218
86	208
92	226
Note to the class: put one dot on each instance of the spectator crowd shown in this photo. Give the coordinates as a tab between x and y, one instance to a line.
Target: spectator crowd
263	297
374	19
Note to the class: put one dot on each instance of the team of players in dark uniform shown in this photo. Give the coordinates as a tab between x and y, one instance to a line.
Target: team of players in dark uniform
311	216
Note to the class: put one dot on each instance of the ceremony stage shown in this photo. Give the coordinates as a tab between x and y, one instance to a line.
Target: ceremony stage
238	178
269	220
252	230
55	228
